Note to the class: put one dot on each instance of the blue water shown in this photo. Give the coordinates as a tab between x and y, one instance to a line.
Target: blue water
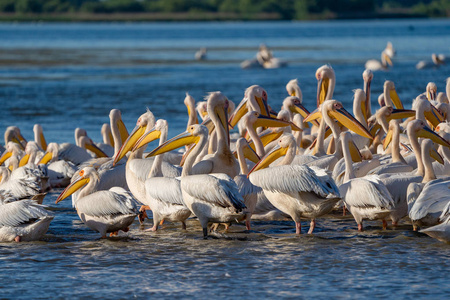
65	76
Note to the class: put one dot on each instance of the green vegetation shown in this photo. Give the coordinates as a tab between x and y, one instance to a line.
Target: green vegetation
86	10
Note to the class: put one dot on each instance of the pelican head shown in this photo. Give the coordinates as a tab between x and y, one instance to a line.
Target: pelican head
87	143
421	130
390	95
30	151
294	105
39	136
144	121
293	89
115	117
255	98
51	154
189	102
285	143
325	83
201	109
431	91
335	110
367	77
152	134
11	149
85	176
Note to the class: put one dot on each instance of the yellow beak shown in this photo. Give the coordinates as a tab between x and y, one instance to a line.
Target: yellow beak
269	158
395	99
346	119
322	90
5	156
183	139
99	152
238	113
147	138
46	158
430	134
72	188
138	131
24	160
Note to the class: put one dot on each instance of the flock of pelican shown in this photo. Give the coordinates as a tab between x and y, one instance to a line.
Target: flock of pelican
383	164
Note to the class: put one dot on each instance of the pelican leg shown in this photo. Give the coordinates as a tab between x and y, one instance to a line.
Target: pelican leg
183	225
205	233
214	227
17	239
394	223
227	226
415	228
115	233
384	224
298	227
156	222
360	227
344	211
312	226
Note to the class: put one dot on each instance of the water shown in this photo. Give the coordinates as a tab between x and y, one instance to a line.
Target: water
65	76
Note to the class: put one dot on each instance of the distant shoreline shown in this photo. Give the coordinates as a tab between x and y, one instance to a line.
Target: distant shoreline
176	17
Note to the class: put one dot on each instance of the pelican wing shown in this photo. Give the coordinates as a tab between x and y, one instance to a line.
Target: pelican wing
371	193
245	187
20	212
104	203
164	189
294	179
433	198
22	188
217	189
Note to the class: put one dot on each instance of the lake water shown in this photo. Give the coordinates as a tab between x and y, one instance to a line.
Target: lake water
65	76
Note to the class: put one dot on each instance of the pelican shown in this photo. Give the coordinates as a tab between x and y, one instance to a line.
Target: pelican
23	220
211	197
163	194
365	197
426	111
25	186
200	54
299	191
102	211
442	230
386	55
293	89
326	81
255	98
137	168
400	185
436	61
430	204
39	136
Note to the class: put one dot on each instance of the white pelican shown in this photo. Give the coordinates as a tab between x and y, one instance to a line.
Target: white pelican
400	185
385	62
326	81
299	191
436	61
293	89
137	168
23	187
163	194
365	197
200	54
23	220
211	197
442	230
430	204
39	136
103	211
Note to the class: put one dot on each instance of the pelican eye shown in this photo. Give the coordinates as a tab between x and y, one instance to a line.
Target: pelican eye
81	173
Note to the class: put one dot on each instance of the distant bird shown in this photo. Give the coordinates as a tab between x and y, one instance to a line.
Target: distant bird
436	61
201	54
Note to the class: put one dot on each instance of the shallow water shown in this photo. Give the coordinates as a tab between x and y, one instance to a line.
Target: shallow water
70	75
